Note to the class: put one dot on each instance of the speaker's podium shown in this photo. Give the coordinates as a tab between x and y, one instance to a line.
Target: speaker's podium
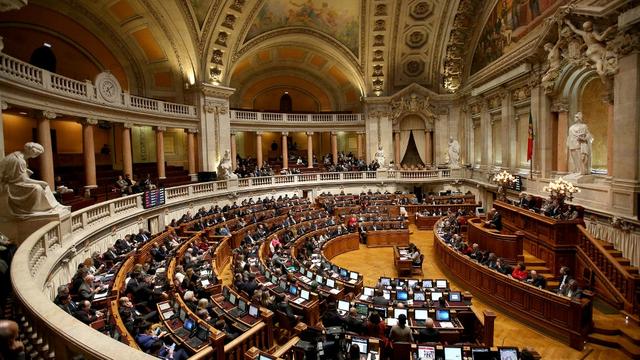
205	176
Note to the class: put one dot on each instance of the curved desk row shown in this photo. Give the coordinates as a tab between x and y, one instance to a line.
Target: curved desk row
565	318
508	247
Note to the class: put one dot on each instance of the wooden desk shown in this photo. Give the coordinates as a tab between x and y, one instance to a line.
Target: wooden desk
567	319
403	265
508	247
426	222
378	238
551	240
341	245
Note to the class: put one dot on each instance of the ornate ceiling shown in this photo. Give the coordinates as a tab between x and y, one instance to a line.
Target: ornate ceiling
347	49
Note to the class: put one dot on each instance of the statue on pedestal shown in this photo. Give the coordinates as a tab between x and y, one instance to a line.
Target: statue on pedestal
454	153
379	156
225	171
579	142
20	195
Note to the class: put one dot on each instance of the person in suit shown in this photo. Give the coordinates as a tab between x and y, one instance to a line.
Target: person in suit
429	333
353	322
537	280
401	332
111	255
143	236
86	314
87	291
251	285
495	222
331	317
572	290
565	277
282	304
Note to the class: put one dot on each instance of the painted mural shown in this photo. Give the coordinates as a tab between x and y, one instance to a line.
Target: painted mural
509	22
337	18
200	9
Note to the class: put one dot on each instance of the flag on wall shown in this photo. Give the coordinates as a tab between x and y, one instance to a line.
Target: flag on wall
530	140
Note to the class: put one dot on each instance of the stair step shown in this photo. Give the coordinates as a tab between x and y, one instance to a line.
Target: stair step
615	253
617	342
630	330
606	245
539	269
631	269
623	261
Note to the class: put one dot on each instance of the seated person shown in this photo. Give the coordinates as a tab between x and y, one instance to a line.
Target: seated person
519	272
353	322
429	333
572	290
60	187
537	280
331	317
86	314
123	185
494	220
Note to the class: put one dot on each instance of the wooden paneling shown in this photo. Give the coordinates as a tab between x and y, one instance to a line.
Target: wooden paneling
508	247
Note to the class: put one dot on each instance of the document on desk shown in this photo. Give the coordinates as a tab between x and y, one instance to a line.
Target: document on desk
101	295
446	325
334	291
298	301
267	284
352	281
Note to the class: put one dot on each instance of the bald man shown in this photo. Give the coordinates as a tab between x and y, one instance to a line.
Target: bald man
10	347
429	333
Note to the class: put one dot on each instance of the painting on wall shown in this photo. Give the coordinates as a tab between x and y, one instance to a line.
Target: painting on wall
509	22
200	9
337	18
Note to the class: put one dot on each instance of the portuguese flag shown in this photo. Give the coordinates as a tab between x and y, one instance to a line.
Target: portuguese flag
530	140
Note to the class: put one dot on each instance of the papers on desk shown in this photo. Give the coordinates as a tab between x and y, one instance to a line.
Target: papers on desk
404	258
334	275
446	324
298	301
304	279
268	283
167	315
164	306
205	283
334	291
101	295
403	252
108	277
363	298
352	281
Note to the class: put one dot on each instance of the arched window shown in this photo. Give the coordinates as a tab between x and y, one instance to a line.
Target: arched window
286	104
43	57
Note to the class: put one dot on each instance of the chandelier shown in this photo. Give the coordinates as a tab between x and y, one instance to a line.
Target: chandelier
561	189
504	179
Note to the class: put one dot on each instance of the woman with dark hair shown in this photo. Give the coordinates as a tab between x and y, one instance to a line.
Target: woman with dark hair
519	272
354	352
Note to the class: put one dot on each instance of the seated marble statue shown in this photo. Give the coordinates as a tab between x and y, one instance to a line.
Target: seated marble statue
225	170
19	194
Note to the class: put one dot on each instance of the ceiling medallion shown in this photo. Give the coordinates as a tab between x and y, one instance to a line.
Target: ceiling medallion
420	10
416	39
414	67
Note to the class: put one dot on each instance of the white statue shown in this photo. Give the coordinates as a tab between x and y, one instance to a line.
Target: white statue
554	62
596	50
579	142
19	194
225	171
454	153
380	157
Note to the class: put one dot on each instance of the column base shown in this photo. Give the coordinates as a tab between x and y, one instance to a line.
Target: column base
87	190
162	178
194	177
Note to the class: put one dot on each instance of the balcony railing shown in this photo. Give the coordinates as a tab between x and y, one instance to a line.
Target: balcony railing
266	117
35	77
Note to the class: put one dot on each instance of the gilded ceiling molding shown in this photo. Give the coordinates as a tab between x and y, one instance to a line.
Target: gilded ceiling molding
163	26
459	36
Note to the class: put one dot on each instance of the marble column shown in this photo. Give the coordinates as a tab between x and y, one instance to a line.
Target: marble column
310	149
542	129
610	130
561	107
160	151
89	152
334	147
507	132
3	106
191	151
234	151
428	147
259	149
44	138
127	161
360	151
396	149
486	158
285	151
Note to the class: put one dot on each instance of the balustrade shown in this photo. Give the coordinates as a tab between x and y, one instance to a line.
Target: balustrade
241	115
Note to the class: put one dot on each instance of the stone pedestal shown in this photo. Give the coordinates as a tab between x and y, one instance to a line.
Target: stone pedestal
19	229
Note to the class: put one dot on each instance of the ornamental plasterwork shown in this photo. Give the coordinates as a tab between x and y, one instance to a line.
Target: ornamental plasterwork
379	29
412	104
521	93
215	107
459	35
494	102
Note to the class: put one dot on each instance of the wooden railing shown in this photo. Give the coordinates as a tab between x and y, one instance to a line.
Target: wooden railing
568	319
619	282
